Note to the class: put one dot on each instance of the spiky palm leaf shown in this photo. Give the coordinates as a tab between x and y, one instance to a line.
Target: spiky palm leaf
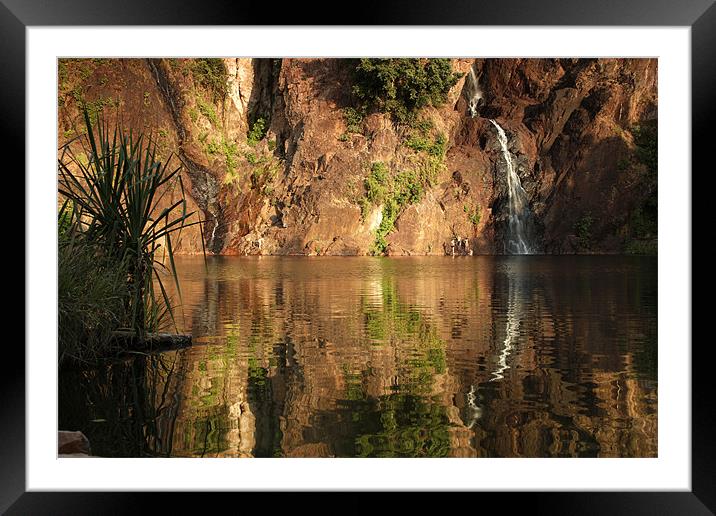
117	189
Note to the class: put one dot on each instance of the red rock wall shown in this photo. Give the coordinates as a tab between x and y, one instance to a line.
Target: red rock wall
569	123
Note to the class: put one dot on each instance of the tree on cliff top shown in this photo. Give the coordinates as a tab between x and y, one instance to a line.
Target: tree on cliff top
403	86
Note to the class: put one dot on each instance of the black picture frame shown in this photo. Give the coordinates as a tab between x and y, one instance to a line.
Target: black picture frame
699	15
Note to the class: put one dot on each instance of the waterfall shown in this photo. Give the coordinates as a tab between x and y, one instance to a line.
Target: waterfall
475	93
213	233
517	240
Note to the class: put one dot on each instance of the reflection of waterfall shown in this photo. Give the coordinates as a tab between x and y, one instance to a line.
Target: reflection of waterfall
517	240
474	93
512	331
475	409
512	328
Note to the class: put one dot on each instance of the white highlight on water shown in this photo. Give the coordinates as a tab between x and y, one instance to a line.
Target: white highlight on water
517	200
512	332
516	292
475	409
475	93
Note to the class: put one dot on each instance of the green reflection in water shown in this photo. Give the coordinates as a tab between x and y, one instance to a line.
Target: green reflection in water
285	363
397	323
401	425
209	433
407	423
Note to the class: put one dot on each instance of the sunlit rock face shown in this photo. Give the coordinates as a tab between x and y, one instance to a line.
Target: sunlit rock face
569	125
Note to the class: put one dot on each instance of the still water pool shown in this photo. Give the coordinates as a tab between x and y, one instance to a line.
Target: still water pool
519	356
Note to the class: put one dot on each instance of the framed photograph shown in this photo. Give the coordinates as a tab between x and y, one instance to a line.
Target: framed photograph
448	252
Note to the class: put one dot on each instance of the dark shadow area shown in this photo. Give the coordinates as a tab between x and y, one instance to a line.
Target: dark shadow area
126	408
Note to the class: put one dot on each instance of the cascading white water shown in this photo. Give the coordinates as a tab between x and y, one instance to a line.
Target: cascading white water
213	235
517	240
474	92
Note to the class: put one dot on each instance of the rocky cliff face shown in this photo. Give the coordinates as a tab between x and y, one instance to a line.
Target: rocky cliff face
275	165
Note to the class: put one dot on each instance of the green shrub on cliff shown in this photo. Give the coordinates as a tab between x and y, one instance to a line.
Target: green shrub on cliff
429	148
423	137
376	182
473	214
208	110
403	86
212	148
231	154
391	210
583	230
257	132
261	168
211	73
394	190
263	173
353	119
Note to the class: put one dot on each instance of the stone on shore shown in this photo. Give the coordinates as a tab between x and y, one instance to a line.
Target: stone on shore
72	444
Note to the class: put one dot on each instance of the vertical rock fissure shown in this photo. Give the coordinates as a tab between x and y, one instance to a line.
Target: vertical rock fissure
204	185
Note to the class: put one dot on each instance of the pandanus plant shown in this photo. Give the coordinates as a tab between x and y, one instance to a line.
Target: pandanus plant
116	187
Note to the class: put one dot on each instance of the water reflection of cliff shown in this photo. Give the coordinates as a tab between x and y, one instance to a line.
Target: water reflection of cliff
416	357
580	377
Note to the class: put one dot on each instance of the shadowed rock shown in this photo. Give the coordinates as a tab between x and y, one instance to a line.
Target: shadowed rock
72	444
